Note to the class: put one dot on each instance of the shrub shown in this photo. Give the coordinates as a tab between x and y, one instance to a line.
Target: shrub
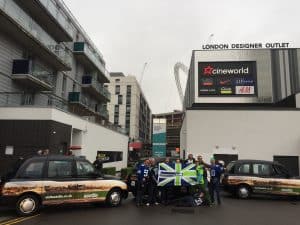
125	172
109	171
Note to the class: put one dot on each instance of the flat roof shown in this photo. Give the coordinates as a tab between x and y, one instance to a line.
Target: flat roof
242	49
168	113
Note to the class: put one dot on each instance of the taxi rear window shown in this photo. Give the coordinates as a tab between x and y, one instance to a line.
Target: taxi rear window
33	170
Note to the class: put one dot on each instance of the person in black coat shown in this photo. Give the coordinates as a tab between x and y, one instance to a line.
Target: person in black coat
190	159
153	190
98	163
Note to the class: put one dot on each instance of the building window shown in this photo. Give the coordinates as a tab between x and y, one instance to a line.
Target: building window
120	99
127	122
106	86
117	80
128	109
128	100
117	90
116	119
128	91
116	108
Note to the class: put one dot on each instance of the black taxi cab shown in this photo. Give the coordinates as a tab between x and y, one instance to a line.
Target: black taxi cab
51	180
246	177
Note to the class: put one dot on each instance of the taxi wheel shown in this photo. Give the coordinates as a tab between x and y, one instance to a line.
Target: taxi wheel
114	197
243	192
28	205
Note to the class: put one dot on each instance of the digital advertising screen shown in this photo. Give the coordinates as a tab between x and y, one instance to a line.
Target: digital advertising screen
236	78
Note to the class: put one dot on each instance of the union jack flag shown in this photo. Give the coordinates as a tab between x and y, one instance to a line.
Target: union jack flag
177	174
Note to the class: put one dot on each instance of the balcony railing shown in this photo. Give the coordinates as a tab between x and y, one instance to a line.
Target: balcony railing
59	15
84	103
46	100
40	80
31	28
91	82
21	99
76	97
103	112
94	58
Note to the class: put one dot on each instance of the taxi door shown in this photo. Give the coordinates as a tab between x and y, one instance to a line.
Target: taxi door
60	181
262	172
91	186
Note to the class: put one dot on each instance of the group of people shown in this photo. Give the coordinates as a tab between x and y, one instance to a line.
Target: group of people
208	180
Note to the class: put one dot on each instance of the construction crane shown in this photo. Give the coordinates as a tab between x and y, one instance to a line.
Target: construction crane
180	66
143	72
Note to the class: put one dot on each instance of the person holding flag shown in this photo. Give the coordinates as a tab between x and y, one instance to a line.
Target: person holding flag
200	169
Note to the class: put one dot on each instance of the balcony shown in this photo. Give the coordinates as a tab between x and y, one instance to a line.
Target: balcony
91	59
21	27
103	112
94	88
39	81
38	100
81	105
52	16
50	100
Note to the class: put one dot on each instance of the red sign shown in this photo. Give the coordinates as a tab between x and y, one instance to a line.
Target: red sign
136	145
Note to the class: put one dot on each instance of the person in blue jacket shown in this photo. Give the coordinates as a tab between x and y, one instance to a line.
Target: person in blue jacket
216	171
142	181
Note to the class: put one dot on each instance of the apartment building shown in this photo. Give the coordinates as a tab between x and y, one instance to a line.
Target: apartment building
129	108
52	77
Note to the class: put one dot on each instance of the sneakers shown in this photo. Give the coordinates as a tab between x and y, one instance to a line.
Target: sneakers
148	204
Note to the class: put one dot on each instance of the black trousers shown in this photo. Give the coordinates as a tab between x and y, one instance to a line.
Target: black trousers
140	191
153	192
214	188
164	195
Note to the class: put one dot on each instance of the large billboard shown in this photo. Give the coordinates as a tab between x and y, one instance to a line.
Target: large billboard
159	138
235	78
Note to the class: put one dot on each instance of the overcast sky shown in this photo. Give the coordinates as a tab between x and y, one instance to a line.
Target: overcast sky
163	32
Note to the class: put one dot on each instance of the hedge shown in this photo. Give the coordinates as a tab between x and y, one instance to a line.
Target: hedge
125	172
109	171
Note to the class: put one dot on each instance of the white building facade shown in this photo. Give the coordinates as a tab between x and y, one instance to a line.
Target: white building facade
251	114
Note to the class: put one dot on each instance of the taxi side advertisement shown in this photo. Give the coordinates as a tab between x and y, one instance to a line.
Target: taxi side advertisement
55	192
227	78
267	185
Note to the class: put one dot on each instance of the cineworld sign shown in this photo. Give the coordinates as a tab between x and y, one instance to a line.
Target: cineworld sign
209	71
283	45
235	78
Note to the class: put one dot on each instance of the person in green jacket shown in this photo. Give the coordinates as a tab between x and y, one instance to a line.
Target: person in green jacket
200	181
